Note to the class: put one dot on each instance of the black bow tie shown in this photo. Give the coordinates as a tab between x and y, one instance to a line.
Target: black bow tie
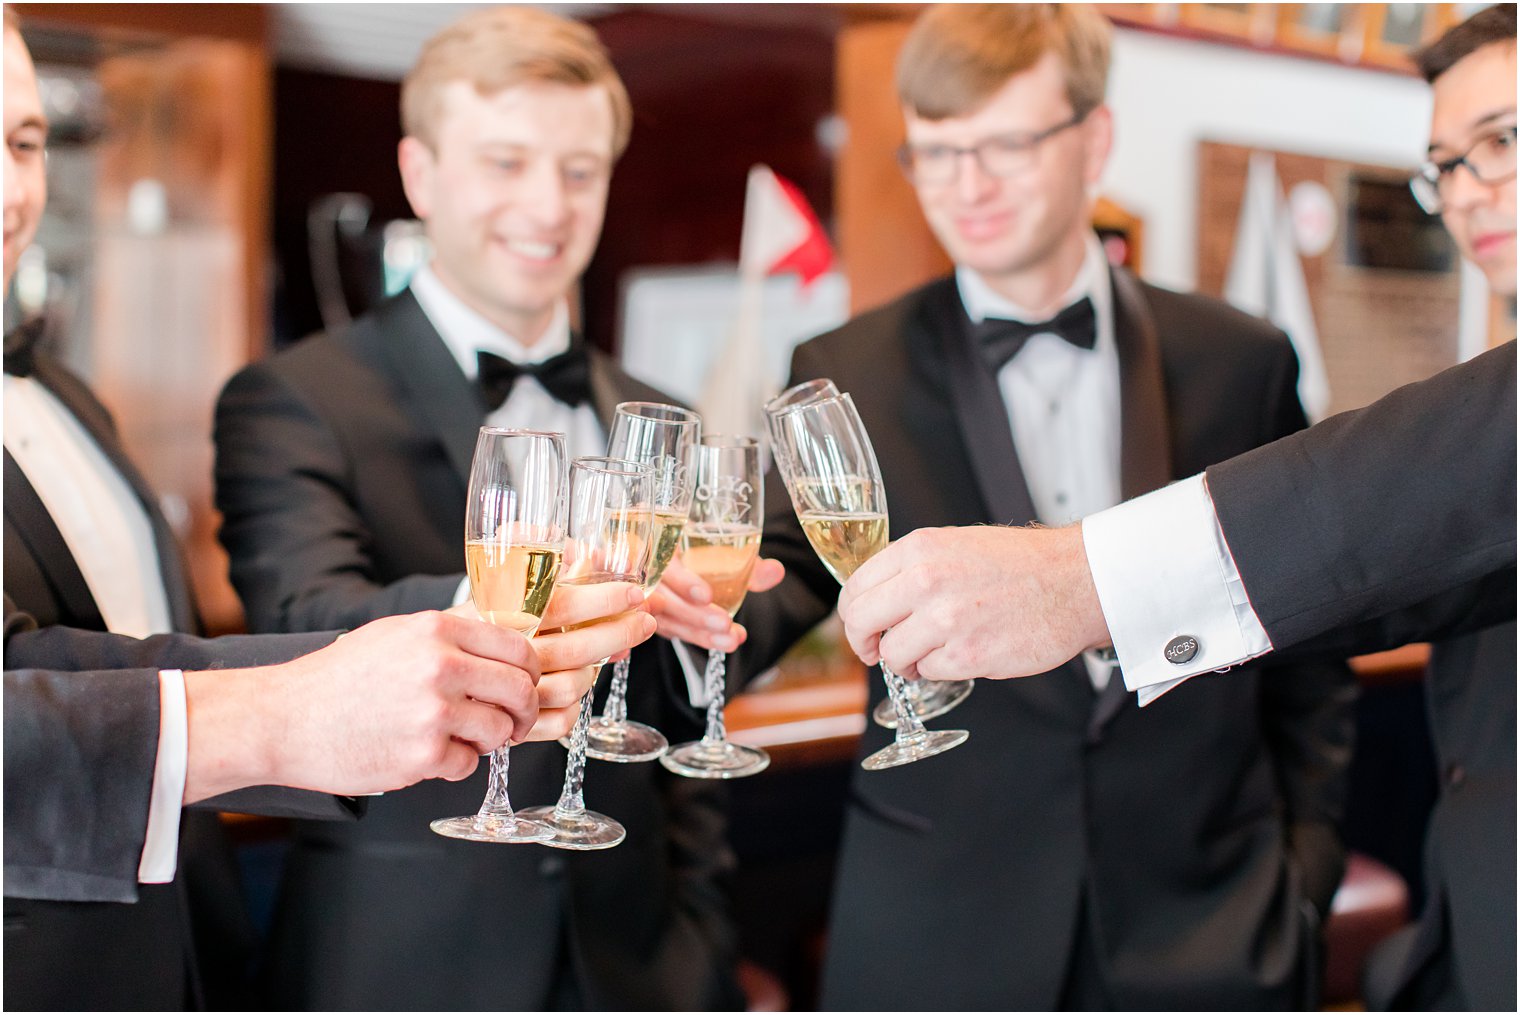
21	346
1001	339
567	376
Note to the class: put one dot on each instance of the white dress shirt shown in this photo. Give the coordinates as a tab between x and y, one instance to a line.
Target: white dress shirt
1163	571
529	404
110	537
1062	404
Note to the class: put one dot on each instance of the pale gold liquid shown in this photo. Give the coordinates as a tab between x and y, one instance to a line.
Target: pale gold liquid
844	541
667	537
511	584
723	557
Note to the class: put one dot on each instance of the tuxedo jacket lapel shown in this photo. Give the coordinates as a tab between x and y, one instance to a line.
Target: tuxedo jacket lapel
979	409
38	564
86	408
1145	460
436	392
982	418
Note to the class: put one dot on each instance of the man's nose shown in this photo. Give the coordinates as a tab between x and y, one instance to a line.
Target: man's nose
547	201
972	181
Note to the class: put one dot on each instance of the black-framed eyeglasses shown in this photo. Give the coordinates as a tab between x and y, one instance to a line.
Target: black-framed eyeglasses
1002	155
1490	159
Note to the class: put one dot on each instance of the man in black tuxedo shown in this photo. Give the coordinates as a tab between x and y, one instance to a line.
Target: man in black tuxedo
342	466
1023	870
1377	527
108	733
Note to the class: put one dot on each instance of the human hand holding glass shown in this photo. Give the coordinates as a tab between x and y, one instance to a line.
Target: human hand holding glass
610	532
662	437
514	536
825	458
928	698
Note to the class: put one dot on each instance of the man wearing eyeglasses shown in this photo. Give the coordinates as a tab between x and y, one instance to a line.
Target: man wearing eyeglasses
1390	524
1028	869
1461	954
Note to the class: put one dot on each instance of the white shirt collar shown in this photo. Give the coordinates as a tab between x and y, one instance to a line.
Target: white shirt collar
1092	281
467	332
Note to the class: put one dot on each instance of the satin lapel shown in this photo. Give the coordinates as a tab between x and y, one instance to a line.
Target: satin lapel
1145	458
438	396
977	402
608	387
979	409
86	408
28	517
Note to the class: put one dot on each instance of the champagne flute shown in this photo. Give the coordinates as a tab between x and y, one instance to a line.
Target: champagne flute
721	544
610	529
801	394
662	437
929	698
831	473
514	537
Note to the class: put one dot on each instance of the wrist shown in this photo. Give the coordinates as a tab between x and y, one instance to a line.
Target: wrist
229	744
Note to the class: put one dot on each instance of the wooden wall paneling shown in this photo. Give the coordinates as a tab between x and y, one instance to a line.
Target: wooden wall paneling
1379	327
885	245
177	301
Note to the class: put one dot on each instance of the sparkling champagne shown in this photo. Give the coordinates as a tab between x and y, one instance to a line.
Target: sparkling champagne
511	583
723	556
844	540
668	526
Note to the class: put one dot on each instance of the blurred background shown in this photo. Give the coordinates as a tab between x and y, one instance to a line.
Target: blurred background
223	182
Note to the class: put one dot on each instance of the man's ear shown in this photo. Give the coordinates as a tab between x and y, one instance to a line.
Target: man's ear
418	166
1098	136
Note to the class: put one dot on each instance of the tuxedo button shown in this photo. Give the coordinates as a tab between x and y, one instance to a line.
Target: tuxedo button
1181	649
1456	775
551	867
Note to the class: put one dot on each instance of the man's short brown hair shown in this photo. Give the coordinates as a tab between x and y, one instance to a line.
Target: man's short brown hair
1490	25
500	47
958	55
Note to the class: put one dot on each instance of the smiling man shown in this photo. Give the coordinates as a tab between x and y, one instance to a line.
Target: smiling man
342	466
1038	383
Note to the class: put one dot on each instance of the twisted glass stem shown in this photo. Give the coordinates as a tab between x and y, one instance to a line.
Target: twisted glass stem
571	800
715	680
496	805
616	709
908	724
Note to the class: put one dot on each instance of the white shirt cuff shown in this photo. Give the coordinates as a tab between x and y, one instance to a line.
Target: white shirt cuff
1164	575
160	855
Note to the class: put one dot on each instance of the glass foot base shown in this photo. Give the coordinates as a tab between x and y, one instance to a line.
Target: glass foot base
930	698
626	741
715	759
915	748
492	829
585	830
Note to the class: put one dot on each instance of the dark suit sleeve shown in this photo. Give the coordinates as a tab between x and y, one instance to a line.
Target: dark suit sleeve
1372	516
301	550
81	742
1306	706
79	756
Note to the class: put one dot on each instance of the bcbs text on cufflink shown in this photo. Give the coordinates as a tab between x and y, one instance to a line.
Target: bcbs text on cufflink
1181	649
